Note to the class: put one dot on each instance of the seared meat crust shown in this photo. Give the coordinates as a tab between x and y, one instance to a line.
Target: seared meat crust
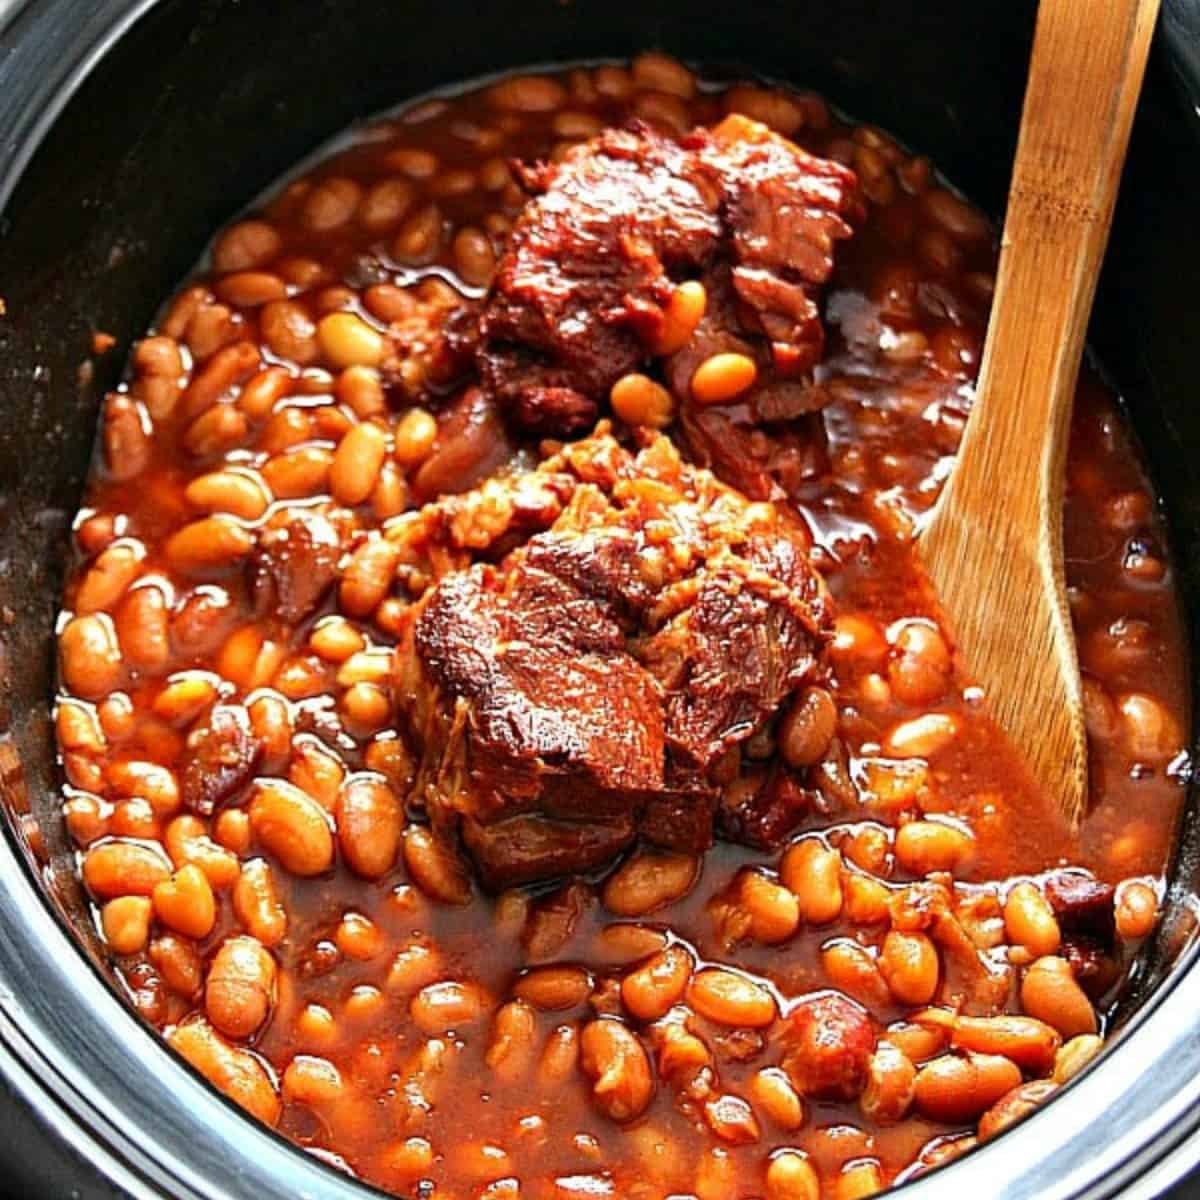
588	685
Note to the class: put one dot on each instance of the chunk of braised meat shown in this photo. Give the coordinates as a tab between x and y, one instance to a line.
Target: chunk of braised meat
561	718
472	444
786	389
294	564
743	644
589	685
1083	905
730	438
220	758
1094	965
681	818
828	1041
579	295
730	442
584	277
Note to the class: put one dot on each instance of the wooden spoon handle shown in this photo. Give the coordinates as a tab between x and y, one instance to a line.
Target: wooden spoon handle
993	547
1085	76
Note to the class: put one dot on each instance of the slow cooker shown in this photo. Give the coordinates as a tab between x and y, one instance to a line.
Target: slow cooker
130	129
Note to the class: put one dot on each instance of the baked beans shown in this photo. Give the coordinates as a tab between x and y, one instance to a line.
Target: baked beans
908	968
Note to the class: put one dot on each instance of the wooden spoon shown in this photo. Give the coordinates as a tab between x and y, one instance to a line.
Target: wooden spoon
993	545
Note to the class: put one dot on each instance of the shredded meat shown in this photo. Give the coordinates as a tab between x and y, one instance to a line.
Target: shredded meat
579	294
1085	912
762	806
586	686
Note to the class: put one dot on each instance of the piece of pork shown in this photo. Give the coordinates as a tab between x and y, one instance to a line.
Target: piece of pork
588	686
592	262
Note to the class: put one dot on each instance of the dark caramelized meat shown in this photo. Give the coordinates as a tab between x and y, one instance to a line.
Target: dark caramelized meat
585	275
579	295
561	717
294	563
472	443
585	688
760	808
827	1042
736	650
220	759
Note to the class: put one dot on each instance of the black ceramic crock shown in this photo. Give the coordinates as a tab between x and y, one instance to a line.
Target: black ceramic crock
130	129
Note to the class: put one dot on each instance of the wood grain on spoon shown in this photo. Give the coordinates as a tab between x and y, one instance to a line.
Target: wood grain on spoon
993	546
